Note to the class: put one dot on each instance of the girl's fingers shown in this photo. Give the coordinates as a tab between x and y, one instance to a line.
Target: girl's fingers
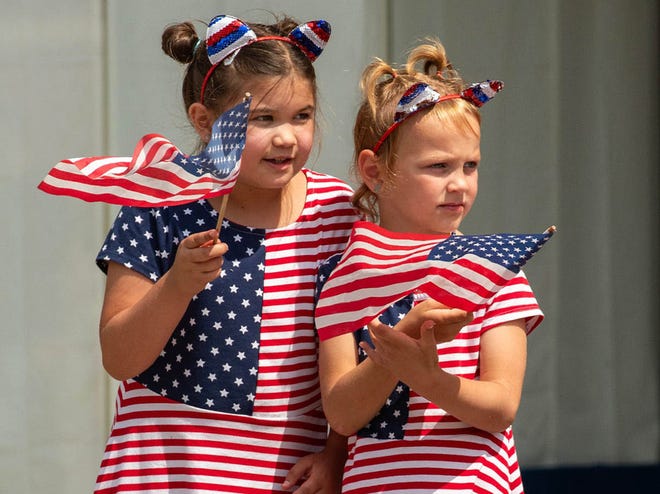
201	239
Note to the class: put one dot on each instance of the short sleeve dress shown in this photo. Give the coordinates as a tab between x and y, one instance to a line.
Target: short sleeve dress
412	445
232	402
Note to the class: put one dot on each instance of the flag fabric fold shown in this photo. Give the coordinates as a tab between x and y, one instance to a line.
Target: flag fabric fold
380	267
158	173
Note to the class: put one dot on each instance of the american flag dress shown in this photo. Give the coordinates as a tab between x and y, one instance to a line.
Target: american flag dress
413	446
232	402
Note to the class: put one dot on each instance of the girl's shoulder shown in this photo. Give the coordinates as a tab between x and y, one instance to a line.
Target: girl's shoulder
329	197
317	181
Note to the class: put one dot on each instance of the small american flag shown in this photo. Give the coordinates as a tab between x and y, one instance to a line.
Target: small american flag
158	173
380	267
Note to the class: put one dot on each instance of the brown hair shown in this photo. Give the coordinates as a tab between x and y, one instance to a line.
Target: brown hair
226	86
382	87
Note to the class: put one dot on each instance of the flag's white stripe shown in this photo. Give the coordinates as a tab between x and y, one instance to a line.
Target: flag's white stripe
94	165
194	191
105	191
189	179
403	247
297	371
138	181
284	323
195	477
125	165
162	147
283	297
285	347
200	469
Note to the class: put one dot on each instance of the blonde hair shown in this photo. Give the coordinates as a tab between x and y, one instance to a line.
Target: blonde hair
382	87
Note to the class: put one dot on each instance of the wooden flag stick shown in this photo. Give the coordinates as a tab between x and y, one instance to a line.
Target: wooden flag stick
221	213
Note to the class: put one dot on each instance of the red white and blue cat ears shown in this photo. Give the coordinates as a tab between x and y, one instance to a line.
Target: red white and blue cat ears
226	35
421	95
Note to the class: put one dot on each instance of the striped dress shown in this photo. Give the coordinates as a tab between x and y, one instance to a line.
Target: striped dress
413	446
232	402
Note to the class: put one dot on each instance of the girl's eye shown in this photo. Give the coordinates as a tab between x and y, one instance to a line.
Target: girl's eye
304	116
471	165
263	118
438	165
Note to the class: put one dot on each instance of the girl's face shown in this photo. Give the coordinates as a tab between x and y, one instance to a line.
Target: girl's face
435	182
280	132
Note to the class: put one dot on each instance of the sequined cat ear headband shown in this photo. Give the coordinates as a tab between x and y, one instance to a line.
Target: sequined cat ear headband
420	96
226	35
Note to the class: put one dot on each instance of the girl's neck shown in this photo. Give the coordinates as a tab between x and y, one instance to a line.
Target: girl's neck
265	208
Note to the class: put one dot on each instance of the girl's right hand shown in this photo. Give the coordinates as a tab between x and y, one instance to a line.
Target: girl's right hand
198	261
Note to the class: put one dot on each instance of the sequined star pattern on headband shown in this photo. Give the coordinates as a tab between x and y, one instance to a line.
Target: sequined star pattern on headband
226	35
421	95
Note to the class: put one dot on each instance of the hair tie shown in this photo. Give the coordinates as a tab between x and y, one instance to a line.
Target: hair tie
226	35
421	95
197	43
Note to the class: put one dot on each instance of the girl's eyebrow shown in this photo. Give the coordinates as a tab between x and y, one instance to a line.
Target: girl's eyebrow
266	109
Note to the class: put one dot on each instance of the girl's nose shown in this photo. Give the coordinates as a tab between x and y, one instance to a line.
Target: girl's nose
285	136
458	181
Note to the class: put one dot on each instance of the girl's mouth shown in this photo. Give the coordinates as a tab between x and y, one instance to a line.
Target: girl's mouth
452	206
279	161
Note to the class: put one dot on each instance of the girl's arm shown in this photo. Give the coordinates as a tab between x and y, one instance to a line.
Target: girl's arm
353	394
489	403
138	316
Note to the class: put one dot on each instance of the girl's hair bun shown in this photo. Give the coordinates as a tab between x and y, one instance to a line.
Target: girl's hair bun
179	41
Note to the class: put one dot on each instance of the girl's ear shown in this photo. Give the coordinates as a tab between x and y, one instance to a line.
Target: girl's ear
368	166
202	120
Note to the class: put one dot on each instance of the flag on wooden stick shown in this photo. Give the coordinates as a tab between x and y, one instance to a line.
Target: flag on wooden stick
158	173
380	267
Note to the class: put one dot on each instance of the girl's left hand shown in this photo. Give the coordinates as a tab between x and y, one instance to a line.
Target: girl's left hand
320	473
409	359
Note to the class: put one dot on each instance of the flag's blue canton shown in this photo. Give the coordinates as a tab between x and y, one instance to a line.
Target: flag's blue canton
227	142
508	250
225	147
389	422
211	360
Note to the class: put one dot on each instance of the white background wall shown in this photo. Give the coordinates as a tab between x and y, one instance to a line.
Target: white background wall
572	141
53	406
